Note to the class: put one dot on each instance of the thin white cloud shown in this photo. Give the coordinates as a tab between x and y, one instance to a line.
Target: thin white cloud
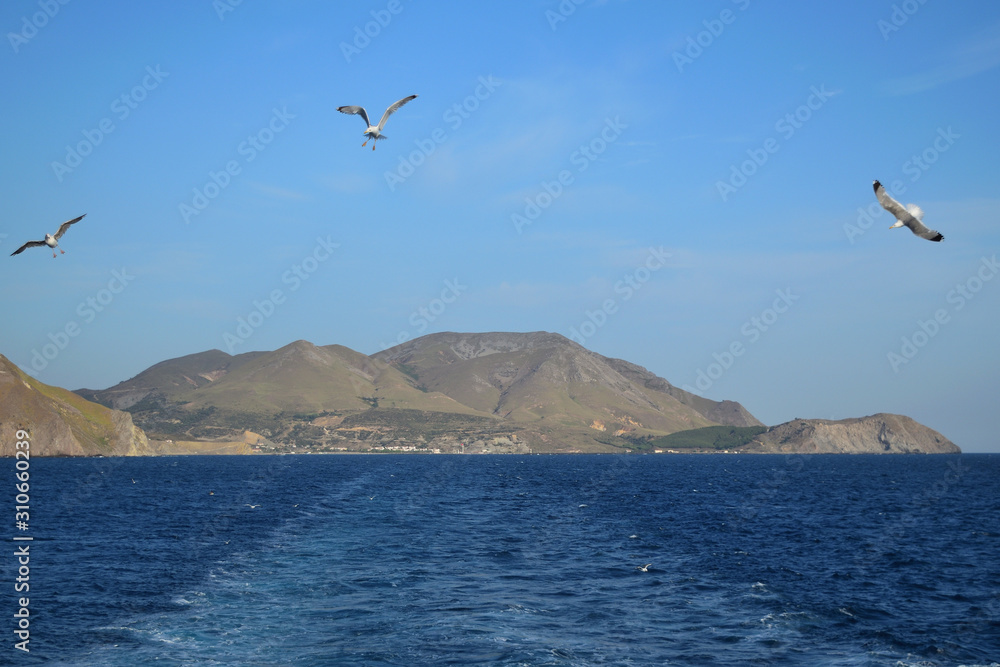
190	307
526	295
349	183
279	193
979	55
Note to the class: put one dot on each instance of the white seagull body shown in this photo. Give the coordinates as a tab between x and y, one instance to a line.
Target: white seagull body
908	215
51	240
374	132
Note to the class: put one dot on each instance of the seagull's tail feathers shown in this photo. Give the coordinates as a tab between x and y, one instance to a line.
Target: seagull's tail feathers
915	211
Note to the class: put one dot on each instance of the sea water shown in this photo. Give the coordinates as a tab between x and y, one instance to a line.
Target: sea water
511	560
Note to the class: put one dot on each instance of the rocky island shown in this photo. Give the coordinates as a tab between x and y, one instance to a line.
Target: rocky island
442	393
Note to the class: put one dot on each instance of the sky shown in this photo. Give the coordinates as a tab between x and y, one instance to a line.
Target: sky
687	186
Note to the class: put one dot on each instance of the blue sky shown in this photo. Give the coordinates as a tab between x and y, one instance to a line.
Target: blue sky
683	185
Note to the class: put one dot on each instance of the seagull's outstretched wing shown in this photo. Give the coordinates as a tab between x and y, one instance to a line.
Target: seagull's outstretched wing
64	226
392	109
904	215
888	203
29	244
922	230
356	110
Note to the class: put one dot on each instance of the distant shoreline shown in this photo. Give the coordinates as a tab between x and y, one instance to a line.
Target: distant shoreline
505	454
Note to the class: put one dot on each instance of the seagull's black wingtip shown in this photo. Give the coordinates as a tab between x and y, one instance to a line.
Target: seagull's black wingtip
939	237
876	185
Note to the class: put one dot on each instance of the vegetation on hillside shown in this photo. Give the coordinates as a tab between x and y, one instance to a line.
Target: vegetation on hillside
710	437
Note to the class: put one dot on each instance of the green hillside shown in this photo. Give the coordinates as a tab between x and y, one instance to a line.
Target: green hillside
710	437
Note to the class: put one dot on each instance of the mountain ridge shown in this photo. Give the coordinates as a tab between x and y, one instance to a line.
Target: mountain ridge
535	387
458	392
509	374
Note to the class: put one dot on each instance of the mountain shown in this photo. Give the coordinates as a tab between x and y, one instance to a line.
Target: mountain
729	413
530	377
447	392
876	434
296	396
168	379
302	377
60	422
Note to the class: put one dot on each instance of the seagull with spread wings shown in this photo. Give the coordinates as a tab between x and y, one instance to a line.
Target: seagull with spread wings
51	240
374	132
908	215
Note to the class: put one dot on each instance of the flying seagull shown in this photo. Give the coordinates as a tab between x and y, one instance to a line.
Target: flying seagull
644	568
909	215
374	132
51	240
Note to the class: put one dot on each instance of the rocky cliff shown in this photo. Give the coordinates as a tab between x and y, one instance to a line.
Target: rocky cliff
60	423
877	434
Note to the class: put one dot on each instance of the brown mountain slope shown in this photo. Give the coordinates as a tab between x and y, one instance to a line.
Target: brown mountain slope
60	422
300	397
302	377
168	379
729	413
530	377
299	377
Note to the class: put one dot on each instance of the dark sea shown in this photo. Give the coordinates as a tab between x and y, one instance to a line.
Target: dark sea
510	560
